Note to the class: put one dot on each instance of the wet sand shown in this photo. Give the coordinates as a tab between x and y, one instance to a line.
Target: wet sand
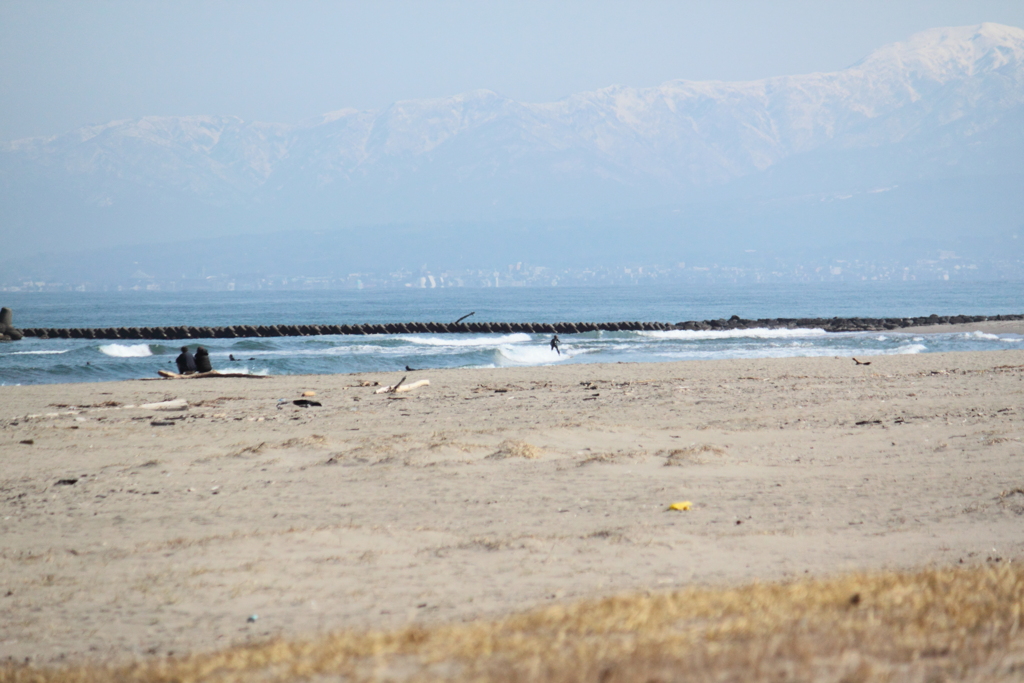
131	533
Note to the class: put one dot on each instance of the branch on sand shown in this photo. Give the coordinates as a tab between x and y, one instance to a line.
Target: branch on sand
398	388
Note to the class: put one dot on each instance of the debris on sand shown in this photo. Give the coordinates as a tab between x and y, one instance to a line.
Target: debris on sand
515	449
176	404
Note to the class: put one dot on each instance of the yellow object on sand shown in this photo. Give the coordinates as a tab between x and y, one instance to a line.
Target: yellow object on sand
681	505
309	393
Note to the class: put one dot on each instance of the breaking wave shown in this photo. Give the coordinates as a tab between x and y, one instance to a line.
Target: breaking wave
531	355
472	341
126	351
911	348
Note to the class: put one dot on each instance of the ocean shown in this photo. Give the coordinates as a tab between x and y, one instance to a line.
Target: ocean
36	361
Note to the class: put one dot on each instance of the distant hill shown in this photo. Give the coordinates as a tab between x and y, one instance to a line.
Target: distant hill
920	143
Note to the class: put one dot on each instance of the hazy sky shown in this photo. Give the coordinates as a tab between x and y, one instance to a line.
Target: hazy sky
67	64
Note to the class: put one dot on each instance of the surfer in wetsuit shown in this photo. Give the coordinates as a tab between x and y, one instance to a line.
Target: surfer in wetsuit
554	344
203	360
186	363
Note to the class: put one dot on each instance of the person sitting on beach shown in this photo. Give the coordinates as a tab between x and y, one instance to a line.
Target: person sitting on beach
554	344
203	360
186	363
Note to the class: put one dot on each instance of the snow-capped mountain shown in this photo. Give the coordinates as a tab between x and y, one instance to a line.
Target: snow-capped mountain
947	103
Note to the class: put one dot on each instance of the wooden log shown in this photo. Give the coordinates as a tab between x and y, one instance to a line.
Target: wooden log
167	374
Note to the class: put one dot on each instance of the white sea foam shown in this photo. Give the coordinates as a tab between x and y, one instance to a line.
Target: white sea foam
753	333
532	355
34	353
245	371
126	351
341	350
353	350
911	348
977	334
237	369
751	353
240	370
468	341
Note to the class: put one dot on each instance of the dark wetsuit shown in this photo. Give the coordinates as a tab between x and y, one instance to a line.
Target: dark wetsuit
186	363
554	344
203	360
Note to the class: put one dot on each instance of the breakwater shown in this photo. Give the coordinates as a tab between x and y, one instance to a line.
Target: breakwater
733	323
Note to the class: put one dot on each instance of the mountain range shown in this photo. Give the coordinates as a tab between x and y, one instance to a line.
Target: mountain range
916	147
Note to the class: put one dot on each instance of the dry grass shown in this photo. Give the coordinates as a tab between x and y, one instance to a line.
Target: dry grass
617	456
1013	500
316	440
440	440
693	454
932	625
515	449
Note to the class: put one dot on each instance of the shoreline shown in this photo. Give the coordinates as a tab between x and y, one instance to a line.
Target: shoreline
419	352
488	492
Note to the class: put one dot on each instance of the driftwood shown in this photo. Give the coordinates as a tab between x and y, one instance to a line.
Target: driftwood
176	404
167	374
399	388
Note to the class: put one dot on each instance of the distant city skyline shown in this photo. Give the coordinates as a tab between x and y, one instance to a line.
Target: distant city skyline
66	65
943	266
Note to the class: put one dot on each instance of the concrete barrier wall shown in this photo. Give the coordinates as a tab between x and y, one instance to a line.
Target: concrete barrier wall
734	323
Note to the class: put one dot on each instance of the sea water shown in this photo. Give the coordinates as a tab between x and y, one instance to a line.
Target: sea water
35	361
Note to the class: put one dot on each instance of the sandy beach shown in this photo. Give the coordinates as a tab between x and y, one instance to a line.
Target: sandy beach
131	533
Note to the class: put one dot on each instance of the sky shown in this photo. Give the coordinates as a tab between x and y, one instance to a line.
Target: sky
74	63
